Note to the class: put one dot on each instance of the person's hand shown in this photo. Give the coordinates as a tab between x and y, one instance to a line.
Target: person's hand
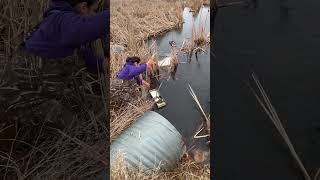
150	64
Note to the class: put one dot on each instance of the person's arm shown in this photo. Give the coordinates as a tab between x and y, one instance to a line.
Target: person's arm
138	80
77	30
93	62
135	71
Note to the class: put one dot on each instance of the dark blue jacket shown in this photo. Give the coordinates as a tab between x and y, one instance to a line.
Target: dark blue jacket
63	30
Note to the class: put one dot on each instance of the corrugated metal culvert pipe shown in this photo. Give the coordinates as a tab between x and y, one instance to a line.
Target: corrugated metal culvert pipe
151	141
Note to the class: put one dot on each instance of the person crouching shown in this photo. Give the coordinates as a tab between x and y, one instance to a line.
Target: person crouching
130	75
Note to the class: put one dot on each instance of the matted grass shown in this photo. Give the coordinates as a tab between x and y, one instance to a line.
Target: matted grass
187	168
77	151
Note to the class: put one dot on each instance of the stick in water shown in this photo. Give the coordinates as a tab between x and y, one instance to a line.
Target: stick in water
197	101
272	114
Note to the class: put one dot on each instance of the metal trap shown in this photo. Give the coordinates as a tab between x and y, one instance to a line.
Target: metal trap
157	98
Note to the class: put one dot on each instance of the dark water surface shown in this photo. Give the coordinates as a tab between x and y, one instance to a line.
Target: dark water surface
280	41
181	109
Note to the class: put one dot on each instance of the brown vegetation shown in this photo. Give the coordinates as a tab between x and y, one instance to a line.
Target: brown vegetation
199	41
133	22
79	150
187	168
43	149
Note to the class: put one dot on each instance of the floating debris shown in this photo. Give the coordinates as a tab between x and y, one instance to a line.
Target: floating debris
204	126
165	62
155	94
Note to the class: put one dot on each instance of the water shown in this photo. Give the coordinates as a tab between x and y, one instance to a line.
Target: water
279	40
181	109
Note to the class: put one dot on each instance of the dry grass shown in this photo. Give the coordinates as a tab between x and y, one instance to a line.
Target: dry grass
142	18
53	153
199	41
207	2
195	5
133	22
62	156
80	150
134	48
121	119
187	168
17	18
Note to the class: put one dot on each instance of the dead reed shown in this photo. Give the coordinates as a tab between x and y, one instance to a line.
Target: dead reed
205	126
17	19
265	103
187	168
132	22
143	18
74	151
194	5
207	2
199	41
122	118
134	48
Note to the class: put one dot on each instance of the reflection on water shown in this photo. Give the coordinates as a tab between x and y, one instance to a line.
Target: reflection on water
174	71
181	109
279	41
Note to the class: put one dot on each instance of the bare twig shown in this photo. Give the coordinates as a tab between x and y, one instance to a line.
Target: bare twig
269	109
